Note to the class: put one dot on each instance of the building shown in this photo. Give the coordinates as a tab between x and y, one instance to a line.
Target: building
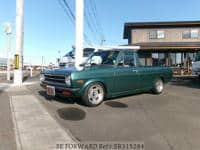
173	44
3	63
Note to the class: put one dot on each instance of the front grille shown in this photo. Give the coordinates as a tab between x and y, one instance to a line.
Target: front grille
55	78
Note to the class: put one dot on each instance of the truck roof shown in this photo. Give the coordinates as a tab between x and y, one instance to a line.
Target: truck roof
114	47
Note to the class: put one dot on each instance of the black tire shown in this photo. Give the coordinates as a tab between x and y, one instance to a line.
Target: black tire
158	87
93	95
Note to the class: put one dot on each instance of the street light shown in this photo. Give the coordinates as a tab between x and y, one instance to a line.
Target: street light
8	31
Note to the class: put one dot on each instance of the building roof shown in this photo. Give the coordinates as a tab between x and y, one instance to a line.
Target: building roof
135	25
169	45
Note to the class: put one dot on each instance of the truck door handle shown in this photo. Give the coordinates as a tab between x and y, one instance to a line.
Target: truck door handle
136	71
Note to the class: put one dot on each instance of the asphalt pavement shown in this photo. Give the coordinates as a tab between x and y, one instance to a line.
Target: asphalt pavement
168	121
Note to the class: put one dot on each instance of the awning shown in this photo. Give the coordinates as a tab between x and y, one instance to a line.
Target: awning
169	45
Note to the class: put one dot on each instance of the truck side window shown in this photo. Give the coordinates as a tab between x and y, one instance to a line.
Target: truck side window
126	59
129	59
87	52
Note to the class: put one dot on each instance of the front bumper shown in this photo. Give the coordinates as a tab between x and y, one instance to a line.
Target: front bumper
60	89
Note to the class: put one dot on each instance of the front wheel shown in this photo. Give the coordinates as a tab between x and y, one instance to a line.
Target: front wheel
94	95
158	86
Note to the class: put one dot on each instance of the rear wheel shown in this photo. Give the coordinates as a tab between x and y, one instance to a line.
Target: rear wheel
93	95
158	86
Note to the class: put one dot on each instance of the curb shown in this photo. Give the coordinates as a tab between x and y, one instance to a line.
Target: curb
16	130
19	136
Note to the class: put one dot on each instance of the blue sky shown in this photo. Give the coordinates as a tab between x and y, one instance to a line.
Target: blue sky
49	30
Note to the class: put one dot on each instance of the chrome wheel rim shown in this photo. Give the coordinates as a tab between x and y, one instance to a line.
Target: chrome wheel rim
159	86
95	94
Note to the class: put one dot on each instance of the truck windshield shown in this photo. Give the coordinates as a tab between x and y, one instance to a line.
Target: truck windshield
103	58
86	52
71	53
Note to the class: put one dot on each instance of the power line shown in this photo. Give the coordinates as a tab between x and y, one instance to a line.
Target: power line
91	21
95	14
67	9
90	26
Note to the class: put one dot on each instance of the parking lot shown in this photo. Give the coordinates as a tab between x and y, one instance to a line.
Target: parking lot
169	121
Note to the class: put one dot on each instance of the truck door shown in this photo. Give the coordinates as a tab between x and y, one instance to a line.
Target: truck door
127	77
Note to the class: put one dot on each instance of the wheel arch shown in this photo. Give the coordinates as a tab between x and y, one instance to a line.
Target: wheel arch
162	78
94	81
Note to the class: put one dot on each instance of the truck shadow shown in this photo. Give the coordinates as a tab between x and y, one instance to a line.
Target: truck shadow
191	82
66	113
72	114
111	102
60	99
115	104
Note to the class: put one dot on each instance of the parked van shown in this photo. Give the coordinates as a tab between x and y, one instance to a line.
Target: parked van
196	65
69	59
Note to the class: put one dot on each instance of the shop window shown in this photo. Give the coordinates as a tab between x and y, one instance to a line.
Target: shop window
155	59
173	59
197	56
178	59
142	61
162	61
145	58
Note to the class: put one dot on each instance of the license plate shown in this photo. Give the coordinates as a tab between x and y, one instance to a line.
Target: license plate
51	91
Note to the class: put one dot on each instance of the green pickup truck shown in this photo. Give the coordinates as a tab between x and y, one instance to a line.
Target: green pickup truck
106	74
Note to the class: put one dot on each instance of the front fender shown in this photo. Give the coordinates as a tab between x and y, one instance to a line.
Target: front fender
86	84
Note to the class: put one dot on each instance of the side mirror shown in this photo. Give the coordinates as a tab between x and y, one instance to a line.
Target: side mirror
120	64
82	65
96	60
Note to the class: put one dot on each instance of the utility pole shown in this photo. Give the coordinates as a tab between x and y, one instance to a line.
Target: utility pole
79	32
31	68
42	67
18	74
8	31
103	41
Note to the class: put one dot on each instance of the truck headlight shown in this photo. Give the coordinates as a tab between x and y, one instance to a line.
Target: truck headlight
68	80
42	77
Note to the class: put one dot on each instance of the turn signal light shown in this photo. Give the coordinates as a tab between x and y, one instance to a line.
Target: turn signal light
80	81
66	93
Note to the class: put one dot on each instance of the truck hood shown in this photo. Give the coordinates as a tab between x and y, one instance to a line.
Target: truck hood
69	70
99	67
60	71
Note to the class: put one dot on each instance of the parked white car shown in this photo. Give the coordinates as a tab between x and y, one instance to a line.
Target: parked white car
196	65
